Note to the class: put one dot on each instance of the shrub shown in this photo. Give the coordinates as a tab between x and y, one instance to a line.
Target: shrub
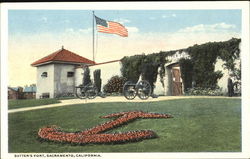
86	76
98	80
114	85
204	91
149	73
186	66
131	67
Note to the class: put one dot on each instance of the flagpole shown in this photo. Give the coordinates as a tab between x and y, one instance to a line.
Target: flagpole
93	35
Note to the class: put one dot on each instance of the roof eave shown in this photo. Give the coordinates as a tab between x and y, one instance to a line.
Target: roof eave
60	62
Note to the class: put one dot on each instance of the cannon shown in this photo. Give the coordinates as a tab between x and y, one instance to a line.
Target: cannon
142	89
89	91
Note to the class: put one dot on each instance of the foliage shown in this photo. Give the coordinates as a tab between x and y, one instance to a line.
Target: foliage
202	63
86	76
203	58
132	66
149	73
229	52
114	85
97	79
186	66
204	91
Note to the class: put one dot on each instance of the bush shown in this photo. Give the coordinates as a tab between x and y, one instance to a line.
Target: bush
86	76
114	85
98	80
131	67
149	73
187	71
204	91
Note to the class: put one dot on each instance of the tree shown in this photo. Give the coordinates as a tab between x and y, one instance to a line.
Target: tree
86	76
149	73
97	79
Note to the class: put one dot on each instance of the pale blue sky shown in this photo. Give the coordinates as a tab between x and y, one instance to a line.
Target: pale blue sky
34	34
57	21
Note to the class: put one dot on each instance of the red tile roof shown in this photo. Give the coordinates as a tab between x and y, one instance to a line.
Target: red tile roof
63	55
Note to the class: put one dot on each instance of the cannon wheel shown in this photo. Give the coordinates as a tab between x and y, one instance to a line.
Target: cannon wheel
91	92
80	93
129	90
144	90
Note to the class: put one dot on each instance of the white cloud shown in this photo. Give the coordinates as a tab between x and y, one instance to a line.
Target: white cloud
122	21
69	30
223	26
164	16
168	16
78	32
88	30
132	29
218	27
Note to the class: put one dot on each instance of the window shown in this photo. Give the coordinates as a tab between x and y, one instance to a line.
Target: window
44	74
70	74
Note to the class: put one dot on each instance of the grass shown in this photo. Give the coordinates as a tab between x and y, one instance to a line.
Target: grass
21	103
199	125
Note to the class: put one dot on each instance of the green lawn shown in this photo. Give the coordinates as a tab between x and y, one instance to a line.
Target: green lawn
21	103
199	125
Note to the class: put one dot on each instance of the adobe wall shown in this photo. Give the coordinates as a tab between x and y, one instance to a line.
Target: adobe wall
45	84
62	83
107	71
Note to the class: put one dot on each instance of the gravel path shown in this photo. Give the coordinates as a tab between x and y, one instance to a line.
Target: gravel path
108	99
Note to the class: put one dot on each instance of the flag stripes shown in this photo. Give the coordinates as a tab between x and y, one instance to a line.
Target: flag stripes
111	27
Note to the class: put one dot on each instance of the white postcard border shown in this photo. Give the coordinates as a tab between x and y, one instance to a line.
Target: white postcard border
135	6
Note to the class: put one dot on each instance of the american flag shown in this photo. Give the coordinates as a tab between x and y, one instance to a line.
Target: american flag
110	27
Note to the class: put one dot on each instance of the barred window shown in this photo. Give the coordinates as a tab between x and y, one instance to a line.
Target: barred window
70	74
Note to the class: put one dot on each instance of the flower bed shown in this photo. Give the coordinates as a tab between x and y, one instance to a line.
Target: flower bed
96	135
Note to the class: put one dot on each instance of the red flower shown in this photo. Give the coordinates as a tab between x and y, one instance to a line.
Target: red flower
94	135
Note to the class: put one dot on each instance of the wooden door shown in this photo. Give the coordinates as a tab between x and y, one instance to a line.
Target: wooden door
177	84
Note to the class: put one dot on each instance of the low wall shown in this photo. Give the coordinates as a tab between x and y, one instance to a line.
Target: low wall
108	70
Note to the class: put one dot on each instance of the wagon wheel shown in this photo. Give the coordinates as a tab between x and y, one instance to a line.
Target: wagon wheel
80	93
144	89
129	90
91	92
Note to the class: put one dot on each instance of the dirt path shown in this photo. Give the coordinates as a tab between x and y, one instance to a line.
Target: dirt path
108	99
